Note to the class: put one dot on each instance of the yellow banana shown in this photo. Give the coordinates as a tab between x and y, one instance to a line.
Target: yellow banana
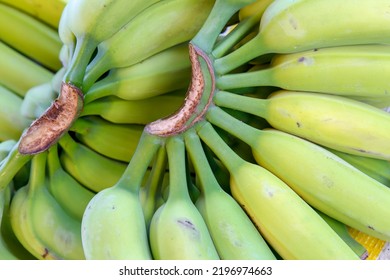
113	140
256	7
233	233
357	70
177	230
333	121
282	216
322	179
290	26
113	226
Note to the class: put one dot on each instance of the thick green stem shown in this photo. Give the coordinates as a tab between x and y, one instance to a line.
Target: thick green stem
178	189
68	144
134	173
208	182
11	165
213	140
53	160
220	14
256	78
38	172
75	73
251	105
244	54
96	68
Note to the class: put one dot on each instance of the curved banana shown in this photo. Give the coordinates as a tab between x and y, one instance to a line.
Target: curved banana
256	7
12	121
148	35
333	121
105	18
322	179
163	72
290	26
67	191
143	111
113	226
177	229
282	216
113	140
14	65
39	222
91	169
341	70
30	36
233	233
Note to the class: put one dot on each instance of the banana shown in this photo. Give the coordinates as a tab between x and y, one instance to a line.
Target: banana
177	230
48	11
256	7
165	71
14	65
148	35
333	121
233	233
91	169
289	26
6	147
341	70
113	226
31	37
116	141
10	247
68	192
283	218
12	121
36	101
322	179
378	169
143	111
40	223
342	230
105	18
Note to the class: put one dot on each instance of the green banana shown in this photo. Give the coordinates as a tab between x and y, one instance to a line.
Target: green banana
333	121
233	233
165	71
68	192
105	18
341	70
12	121
30	36
148	35
283	218
84	164
289	26
36	101
177	230
113	140
39	222
143	111
14	65
48	11
256	7
113	226
6	147
342	230
322	179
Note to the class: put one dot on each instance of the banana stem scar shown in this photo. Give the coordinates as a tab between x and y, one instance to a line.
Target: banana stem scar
54	122
193	109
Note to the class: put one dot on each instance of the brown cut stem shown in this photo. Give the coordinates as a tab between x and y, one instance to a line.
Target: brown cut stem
54	122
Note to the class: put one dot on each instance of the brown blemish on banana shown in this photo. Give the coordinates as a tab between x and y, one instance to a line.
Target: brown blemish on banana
189	113
54	122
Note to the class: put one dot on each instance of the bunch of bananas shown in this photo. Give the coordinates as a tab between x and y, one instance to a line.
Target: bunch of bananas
140	131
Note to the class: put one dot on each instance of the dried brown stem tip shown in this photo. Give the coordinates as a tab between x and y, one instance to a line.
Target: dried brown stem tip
54	122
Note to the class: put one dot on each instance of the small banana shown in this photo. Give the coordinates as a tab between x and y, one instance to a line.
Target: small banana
333	121
281	215
289	26
177	230
233	233
256	7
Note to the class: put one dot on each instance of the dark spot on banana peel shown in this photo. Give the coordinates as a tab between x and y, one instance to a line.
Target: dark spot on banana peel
187	224
371	227
54	122
45	254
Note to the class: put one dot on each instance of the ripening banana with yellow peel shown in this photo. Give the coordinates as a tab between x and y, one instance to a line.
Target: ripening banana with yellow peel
155	97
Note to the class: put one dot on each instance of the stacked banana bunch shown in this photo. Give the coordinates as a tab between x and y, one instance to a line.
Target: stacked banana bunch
194	129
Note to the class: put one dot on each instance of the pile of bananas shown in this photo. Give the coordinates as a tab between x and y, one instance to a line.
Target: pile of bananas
193	129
